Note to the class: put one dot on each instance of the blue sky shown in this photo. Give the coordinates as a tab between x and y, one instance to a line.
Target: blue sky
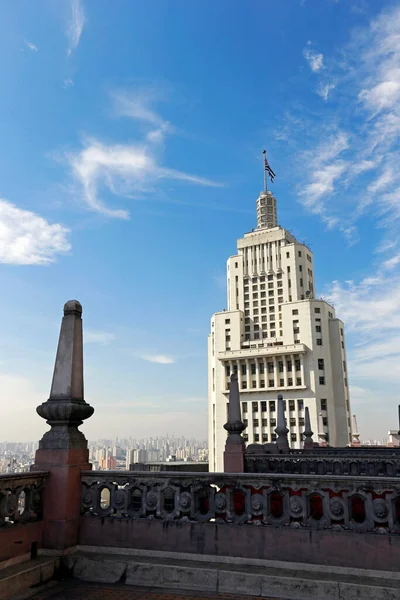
130	162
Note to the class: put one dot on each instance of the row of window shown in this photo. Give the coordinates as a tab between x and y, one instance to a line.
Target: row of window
270	367
272	422
264	437
271	404
271	383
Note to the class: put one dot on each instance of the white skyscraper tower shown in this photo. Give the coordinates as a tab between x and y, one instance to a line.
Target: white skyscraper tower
278	338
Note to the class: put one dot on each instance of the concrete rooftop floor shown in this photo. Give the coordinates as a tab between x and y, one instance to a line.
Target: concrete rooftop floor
78	590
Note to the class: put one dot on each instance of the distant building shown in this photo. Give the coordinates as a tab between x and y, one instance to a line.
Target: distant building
279	338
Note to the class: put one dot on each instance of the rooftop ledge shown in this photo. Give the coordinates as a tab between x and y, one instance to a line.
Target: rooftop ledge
266	350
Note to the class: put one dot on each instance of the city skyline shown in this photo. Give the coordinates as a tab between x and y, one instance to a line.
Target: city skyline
131	156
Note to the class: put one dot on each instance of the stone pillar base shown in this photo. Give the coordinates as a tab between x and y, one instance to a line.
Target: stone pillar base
234	458
62	495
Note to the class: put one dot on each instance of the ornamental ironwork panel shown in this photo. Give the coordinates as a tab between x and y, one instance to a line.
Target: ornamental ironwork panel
21	498
339	503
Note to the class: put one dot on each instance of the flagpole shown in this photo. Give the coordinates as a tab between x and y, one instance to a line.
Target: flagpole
265	171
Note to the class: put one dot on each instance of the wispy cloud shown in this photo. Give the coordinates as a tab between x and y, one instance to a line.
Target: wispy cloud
31	46
315	59
127	170
68	83
161	359
139	105
98	337
75	25
324	90
28	239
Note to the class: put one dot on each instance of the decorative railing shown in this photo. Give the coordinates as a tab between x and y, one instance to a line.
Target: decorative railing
21	498
323	462
278	500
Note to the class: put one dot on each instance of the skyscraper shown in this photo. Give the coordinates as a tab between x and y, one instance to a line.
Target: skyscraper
279	338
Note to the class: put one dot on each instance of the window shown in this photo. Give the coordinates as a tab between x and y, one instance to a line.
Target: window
341	332
289	365
256	335
288	269
317	310
271	293
322	381
293	437
262	278
247	327
256	437
323	403
281	383
255	422
270	277
300	404
247	313
255	295
262	295
292	421
247	336
265	437
253	368
291	404
254	406
255	311
272	325
330	315
271	301
272	333
227	338
290	381
263	318
254	280
300	268
297	365
295	311
270	367
228	370
287	254
245	437
236	265
243	367
270	383
272	407
318	328
298	380
308	258
227	321
319	342
263	303
301	421
299	252
301	282
273	437
254	384
325	420
262	287
270	286
245	422
280	365
343	345
321	366
279	276
244	385
246	297
344	366
296	330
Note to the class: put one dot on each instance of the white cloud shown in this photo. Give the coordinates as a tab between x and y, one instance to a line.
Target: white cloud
31	46
325	168
161	359
324	90
28	239
68	83
391	263
315	59
98	337
123	170
75	25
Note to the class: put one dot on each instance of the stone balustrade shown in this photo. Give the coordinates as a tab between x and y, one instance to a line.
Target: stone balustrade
339	503
352	462
21	498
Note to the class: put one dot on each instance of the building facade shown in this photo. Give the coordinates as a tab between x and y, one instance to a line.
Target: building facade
278	338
